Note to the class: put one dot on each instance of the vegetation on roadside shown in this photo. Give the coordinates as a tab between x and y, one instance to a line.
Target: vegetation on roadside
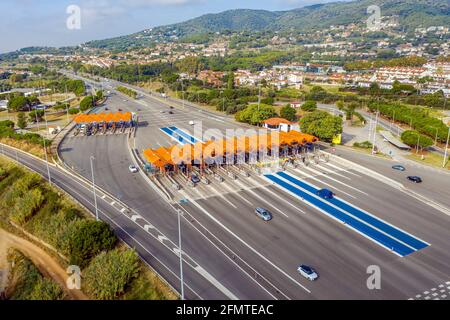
27	283
8	134
417	117
322	125
29	202
128	92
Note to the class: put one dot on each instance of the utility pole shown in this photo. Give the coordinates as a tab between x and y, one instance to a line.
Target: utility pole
93	188
446	149
259	96
374	132
45	146
180	254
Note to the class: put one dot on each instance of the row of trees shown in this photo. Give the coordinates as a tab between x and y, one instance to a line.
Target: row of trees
128	92
7	131
417	117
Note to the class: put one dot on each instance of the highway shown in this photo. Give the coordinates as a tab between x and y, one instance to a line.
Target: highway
264	256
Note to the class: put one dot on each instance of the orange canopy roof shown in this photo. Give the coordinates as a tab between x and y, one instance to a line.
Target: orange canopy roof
103	117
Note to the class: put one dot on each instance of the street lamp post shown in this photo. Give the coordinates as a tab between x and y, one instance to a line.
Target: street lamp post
45	146
180	254
93	188
259	95
446	149
375	132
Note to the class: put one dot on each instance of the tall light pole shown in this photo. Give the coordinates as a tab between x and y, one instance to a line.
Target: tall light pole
375	132
93	188
180	254
45	146
446	149
259	96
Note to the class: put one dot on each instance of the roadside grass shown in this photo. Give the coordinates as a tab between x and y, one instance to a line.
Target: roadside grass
32	209
34	149
27	283
148	287
430	158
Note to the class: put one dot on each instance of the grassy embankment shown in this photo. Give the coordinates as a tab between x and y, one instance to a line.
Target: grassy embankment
29	205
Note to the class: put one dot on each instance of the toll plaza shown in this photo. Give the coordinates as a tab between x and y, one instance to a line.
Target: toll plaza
104	123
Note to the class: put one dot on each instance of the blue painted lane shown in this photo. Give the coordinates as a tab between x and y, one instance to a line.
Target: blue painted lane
188	137
356	212
175	136
363	228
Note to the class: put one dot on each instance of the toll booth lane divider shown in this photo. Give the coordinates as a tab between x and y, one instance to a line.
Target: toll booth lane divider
375	229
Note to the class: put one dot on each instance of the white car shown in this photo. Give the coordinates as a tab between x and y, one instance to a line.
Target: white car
133	169
307	272
191	123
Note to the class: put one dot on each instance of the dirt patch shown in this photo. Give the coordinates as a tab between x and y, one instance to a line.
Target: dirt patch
43	261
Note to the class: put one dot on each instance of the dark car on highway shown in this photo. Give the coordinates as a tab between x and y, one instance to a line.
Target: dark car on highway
398	167
325	193
263	214
195	178
415	179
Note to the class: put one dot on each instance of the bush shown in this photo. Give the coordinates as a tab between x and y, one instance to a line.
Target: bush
27	205
128	92
87	103
309	106
288	113
74	110
83	239
29	283
363	145
108	275
414	139
253	116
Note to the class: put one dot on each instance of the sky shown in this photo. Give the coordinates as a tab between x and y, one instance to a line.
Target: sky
27	23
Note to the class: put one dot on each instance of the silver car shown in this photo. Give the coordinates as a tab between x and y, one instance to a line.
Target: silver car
307	272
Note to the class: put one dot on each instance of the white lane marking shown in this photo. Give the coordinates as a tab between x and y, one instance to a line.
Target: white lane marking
266	189
337	181
332	172
262	199
195	203
216	283
323	182
236	193
147	227
222	196
344	170
229	258
135	217
336	219
351	215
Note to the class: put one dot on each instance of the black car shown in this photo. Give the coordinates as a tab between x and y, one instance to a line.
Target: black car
170	112
415	179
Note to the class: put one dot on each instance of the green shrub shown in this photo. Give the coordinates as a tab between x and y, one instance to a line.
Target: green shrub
83	239
108	274
29	283
74	110
27	205
309	106
363	145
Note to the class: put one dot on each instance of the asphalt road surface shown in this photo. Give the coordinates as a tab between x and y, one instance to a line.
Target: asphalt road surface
251	259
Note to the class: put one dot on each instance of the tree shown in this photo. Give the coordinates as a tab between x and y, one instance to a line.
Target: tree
17	103
413	139
309	105
317	93
39	114
252	115
230	81
109	273
288	113
21	120
87	103
84	239
322	125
